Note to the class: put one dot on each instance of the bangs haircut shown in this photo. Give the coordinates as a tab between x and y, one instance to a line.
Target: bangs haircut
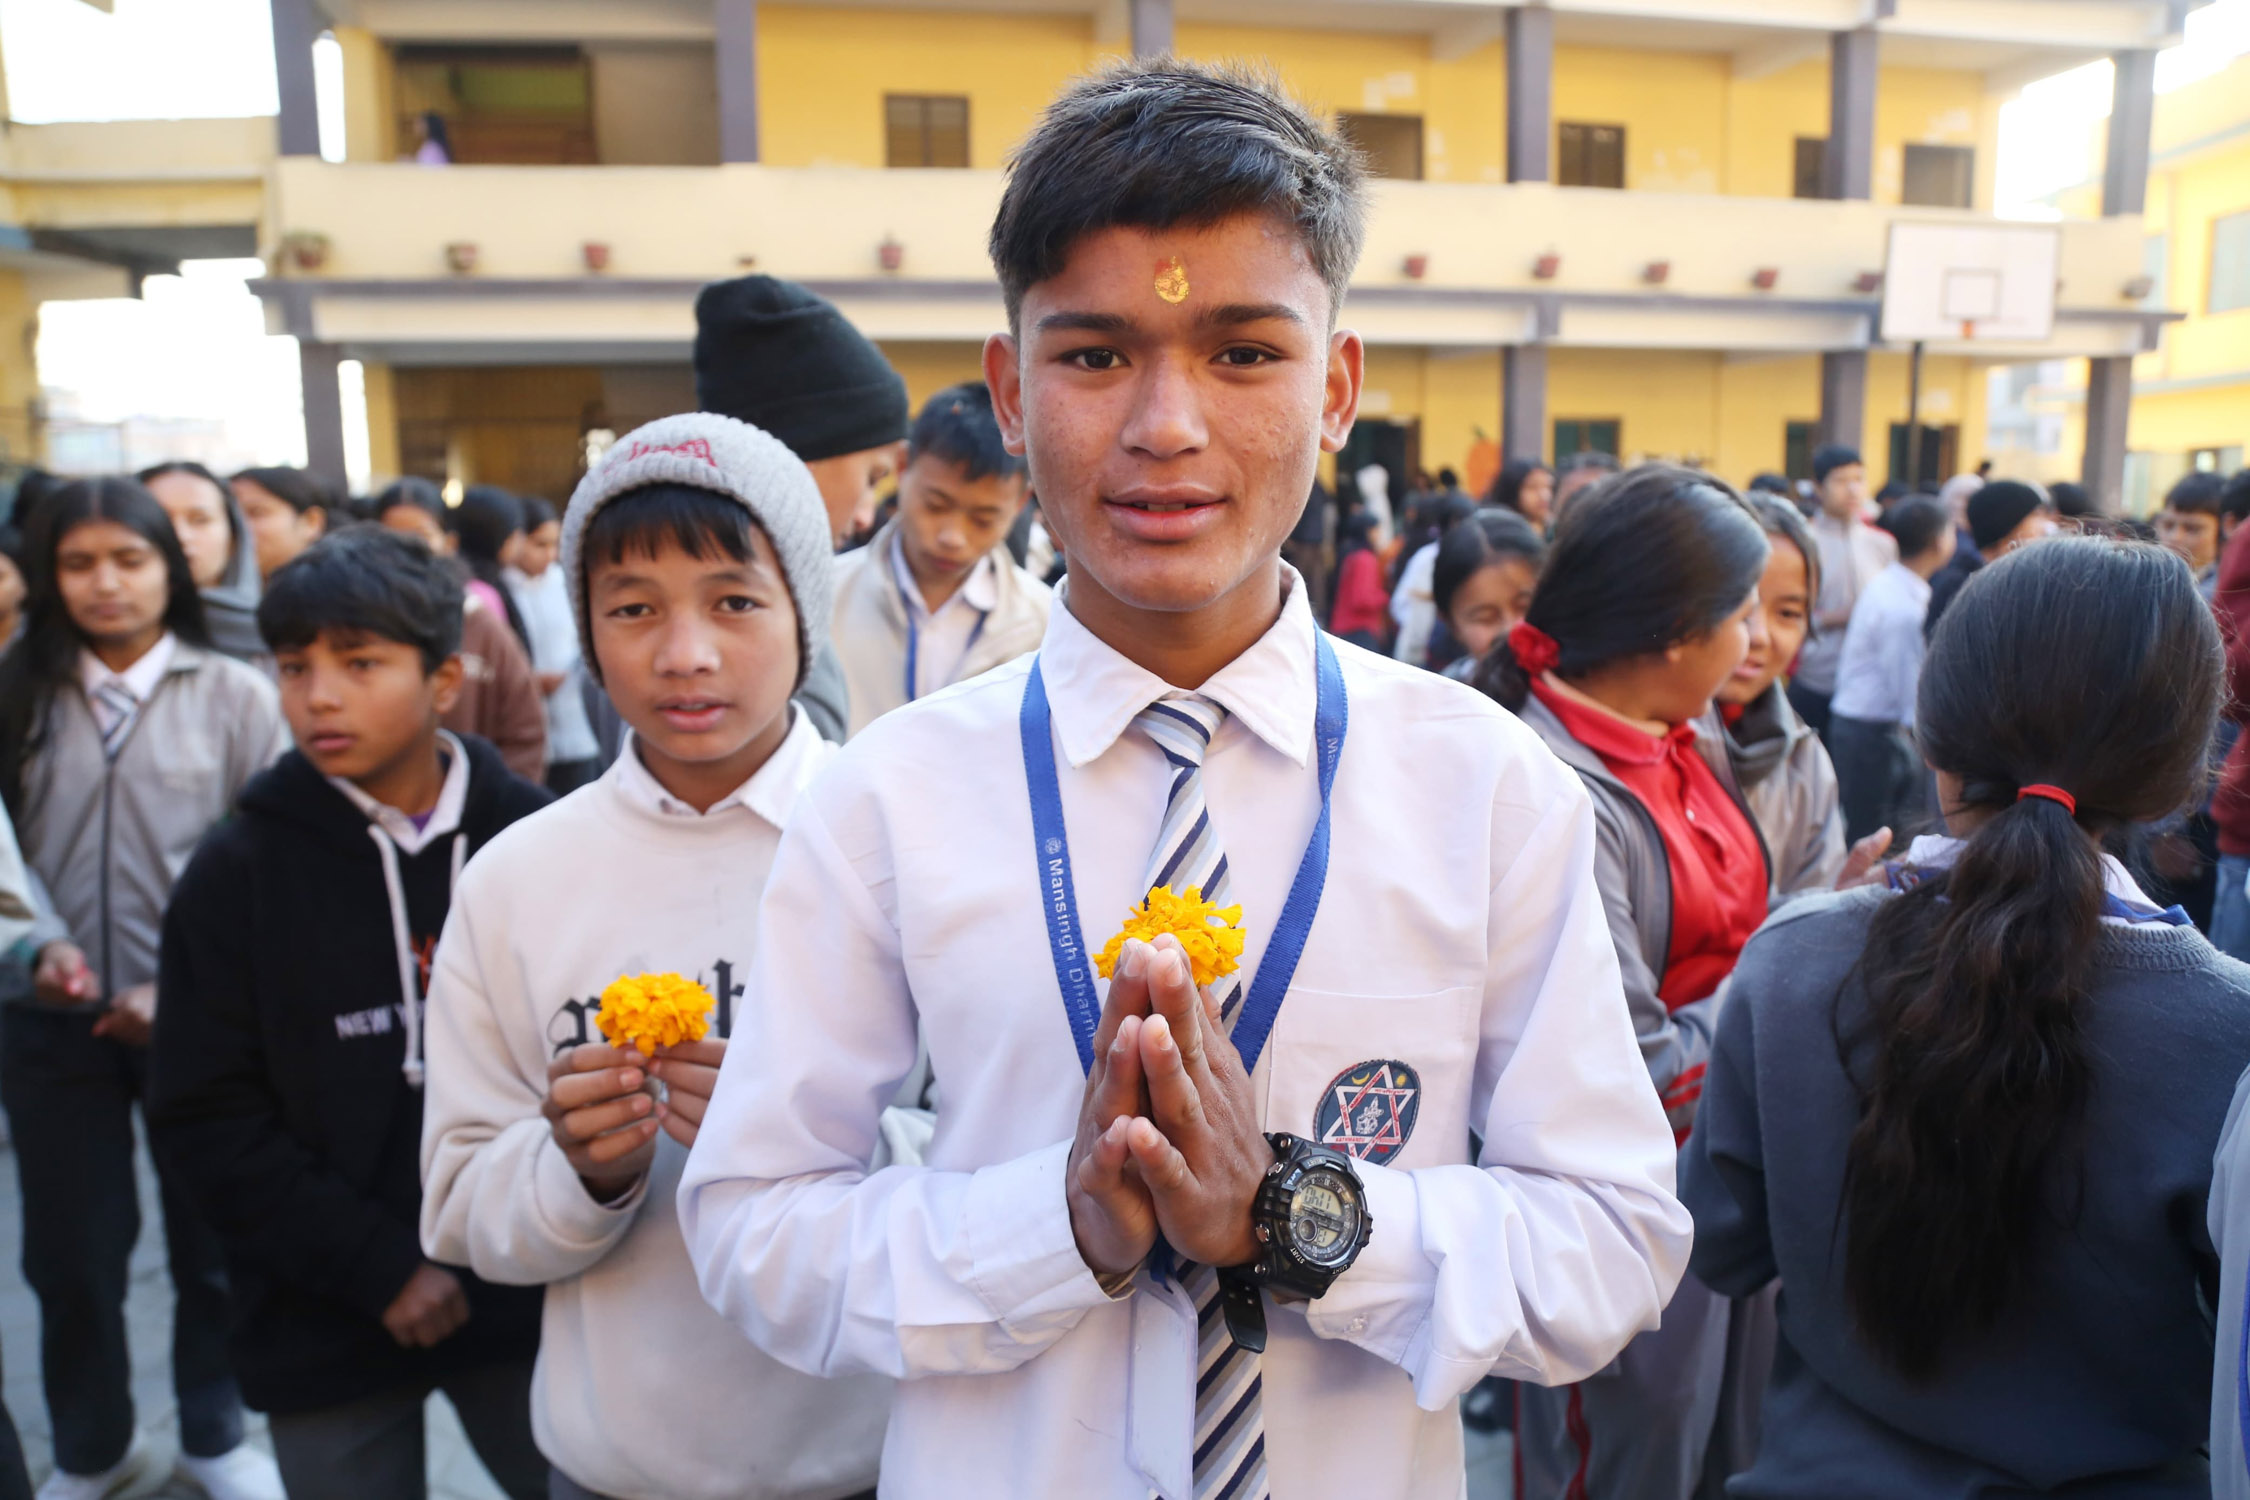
703	524
370	582
957	425
1150	144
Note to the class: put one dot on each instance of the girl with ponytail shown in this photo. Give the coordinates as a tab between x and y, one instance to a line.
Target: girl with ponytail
1647	604
1967	1114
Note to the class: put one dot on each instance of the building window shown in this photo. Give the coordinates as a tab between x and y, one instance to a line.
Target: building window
926	130
1939	177
1589	155
1796	449
1575	435
1392	144
1812	155
2230	262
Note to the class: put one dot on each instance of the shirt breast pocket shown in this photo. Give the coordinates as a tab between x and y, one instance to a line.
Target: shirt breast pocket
1381	1078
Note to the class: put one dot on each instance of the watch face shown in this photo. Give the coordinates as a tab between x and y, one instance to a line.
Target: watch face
1324	1218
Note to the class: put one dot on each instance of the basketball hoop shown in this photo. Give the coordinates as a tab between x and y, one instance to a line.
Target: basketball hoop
1968	283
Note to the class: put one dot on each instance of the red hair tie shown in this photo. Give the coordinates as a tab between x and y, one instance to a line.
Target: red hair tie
2052	794
1536	651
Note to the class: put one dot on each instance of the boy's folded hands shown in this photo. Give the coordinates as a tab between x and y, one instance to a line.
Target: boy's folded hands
1168	1132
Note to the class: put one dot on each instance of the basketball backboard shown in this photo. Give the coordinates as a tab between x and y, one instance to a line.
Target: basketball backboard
1970	283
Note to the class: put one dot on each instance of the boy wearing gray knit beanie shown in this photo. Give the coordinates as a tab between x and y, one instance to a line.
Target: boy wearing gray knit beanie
696	552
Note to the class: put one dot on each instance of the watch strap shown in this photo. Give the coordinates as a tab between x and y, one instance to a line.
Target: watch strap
1244	1307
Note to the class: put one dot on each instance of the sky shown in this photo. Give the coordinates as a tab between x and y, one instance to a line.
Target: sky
195	345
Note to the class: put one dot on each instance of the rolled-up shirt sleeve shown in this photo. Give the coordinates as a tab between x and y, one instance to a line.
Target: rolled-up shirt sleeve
1565	1239
830	1268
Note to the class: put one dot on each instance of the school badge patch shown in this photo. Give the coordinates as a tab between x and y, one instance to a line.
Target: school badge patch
1368	1110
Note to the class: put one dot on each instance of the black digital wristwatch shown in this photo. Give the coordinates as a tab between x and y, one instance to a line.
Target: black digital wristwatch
1310	1217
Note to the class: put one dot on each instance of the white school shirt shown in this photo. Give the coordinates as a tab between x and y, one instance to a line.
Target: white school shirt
942	638
1882	666
1461	934
1852	553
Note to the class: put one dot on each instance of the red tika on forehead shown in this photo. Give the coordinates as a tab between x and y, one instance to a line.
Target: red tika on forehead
695	448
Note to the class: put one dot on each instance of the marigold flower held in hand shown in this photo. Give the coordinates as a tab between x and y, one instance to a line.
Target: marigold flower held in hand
648	1011
1211	935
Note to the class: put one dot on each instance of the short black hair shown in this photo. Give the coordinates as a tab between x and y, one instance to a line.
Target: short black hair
1485	536
2071	499
537	512
369	581
1830	457
1770	483
1780	517
2196	492
1917	522
302	490
1150	144
417	492
957	425
484	520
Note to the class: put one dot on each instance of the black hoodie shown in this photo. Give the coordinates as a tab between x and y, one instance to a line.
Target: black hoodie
278	1089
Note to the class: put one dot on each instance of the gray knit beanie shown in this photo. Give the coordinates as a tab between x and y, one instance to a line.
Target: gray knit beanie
726	457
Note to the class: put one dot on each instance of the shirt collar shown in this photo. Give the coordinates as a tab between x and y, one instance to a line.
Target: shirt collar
1271	688
1609	736
770	793
139	679
1937	851
979	591
445	816
1917	587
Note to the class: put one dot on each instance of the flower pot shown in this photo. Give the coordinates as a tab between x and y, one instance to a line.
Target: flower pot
890	254
1417	267
305	250
595	254
461	255
1546	266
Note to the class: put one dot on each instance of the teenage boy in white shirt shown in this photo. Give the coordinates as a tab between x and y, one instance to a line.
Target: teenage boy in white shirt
1174	244
697	558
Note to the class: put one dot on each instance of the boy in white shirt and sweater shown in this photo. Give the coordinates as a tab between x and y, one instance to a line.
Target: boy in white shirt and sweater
697	557
1174	244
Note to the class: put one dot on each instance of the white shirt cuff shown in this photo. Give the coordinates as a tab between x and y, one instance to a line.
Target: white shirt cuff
1024	1260
1383	1302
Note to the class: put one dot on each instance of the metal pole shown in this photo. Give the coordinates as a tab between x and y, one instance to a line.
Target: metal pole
1914	417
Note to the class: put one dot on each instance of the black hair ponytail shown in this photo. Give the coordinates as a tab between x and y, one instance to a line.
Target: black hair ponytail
2083	664
1643	560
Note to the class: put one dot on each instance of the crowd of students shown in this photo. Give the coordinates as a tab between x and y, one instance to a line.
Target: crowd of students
1682	1000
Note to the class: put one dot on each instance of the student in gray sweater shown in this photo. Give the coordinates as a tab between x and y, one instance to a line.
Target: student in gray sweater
1966	1115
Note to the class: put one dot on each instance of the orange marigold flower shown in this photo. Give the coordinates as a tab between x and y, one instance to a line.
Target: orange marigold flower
648	1011
1211	935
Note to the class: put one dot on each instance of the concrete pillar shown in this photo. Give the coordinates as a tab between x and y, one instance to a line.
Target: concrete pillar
1530	48
1523	402
2109	382
1843	397
324	410
2109	411
296	26
2132	112
1847	164
1150	23
736	57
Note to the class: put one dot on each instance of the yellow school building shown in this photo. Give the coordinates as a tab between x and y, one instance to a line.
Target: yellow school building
1652	227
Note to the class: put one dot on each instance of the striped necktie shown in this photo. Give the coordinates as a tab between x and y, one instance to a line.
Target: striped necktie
115	708
1230	1437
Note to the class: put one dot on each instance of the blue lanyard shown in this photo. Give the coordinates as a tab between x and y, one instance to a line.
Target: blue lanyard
1074	968
914	649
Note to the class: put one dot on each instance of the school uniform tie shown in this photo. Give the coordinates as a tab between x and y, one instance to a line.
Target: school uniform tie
114	707
1230	1436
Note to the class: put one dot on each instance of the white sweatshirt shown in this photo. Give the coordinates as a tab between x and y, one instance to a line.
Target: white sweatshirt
642	1391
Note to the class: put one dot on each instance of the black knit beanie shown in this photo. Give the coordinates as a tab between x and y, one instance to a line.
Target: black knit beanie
772	354
1998	509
